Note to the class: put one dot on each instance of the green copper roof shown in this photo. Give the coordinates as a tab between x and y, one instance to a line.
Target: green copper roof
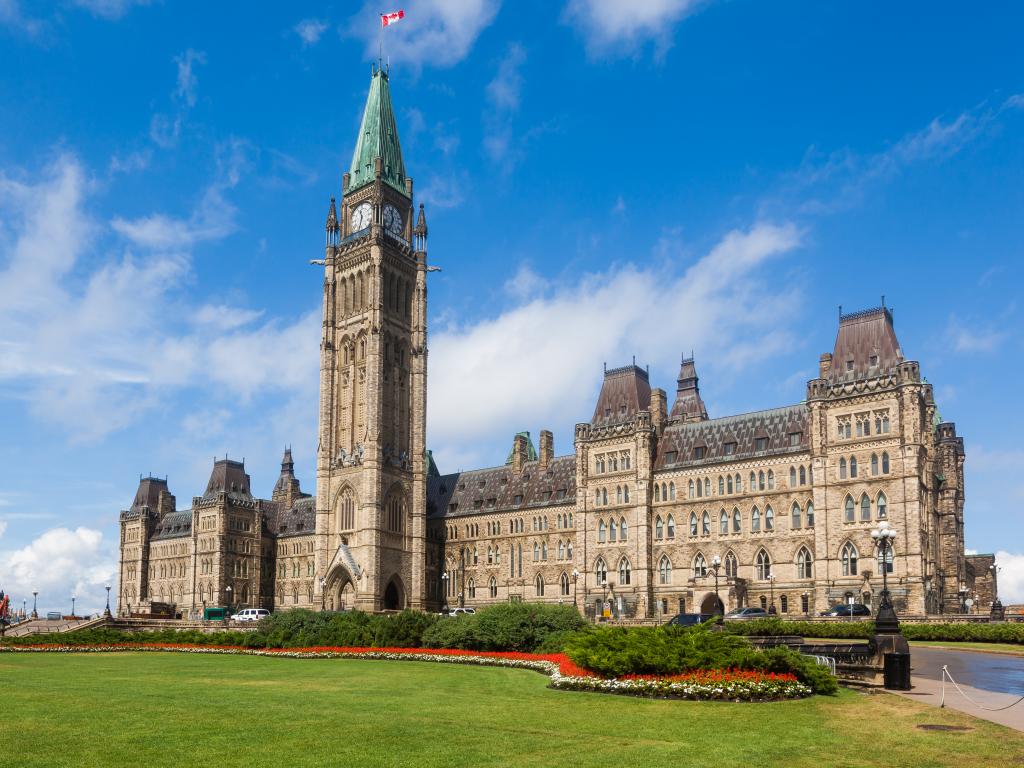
378	137
531	452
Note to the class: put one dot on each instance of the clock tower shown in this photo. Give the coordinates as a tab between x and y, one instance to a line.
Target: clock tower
371	470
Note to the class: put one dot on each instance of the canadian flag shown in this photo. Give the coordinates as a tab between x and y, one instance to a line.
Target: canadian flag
386	19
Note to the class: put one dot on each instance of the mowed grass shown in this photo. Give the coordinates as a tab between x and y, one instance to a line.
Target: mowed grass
172	709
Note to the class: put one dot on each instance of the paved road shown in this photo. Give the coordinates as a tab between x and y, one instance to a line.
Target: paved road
987	671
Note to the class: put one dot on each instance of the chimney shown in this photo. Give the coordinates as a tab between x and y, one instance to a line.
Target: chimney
825	365
547	448
659	410
518	454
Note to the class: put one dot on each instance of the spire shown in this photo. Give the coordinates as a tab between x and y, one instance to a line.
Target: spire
332	216
419	233
421	223
688	405
378	138
287	465
333	230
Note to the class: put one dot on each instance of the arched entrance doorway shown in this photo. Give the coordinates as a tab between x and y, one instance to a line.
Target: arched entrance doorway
393	600
712	604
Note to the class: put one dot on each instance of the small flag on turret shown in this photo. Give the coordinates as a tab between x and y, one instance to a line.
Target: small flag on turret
387	19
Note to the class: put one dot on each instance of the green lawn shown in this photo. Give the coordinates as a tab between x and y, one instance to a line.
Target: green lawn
156	709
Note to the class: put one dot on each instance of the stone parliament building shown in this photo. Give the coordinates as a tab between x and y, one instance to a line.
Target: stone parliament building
661	509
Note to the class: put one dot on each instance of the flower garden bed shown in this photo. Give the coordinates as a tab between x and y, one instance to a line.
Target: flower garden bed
725	685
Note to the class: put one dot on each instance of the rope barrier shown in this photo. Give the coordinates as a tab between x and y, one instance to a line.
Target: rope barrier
942	702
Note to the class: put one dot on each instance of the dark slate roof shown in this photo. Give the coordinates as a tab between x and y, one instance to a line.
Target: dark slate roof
688	404
300	520
148	494
775	424
861	336
488	490
228	477
625	392
174	525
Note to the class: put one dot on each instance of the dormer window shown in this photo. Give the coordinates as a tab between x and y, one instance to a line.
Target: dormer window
670	457
622	409
607	411
761	444
462	486
849	365
730	449
698	452
873	360
794	439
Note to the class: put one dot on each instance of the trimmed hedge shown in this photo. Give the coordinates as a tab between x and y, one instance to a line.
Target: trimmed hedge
863	630
525	627
512	627
619	651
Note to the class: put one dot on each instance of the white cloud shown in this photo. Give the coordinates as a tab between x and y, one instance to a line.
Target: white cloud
165	130
444	191
965	339
130	163
1010	581
826	184
58	564
92	355
213	217
562	333
3	527
310	30
615	28
438	33
11	15
504	92
187	81
110	9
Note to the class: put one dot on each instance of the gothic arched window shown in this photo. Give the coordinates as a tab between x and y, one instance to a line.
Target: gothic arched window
700	566
865	507
769	518
723	522
625	571
737	520
883	505
705	524
755	520
659	528
664	570
804	563
731	565
848	557
693	523
671	527
848	514
763	565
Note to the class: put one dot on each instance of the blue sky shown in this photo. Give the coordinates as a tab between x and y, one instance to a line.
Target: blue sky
602	180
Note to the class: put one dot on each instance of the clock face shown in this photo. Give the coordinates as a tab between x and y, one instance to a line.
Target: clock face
392	220
361	217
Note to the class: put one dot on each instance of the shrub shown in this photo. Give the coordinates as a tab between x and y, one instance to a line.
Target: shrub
510	627
617	651
863	630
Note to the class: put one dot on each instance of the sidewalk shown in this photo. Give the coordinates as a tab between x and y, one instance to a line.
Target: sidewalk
929	691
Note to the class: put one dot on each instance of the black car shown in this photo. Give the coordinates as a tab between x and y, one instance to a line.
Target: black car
690	619
848	609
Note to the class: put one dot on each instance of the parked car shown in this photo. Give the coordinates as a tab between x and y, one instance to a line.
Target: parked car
251	614
746	614
847	609
690	619
460	611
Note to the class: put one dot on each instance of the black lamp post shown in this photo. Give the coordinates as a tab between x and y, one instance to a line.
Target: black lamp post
444	590
886	621
323	593
227	589
771	586
575	576
35	613
106	612
716	563
72	606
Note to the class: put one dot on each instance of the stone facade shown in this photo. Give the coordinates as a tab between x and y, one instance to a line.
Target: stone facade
660	508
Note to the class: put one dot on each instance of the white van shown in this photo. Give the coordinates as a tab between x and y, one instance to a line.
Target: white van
251	614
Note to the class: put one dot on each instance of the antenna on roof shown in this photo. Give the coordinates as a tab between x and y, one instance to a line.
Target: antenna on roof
883	301
634	361
606	366
840	311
